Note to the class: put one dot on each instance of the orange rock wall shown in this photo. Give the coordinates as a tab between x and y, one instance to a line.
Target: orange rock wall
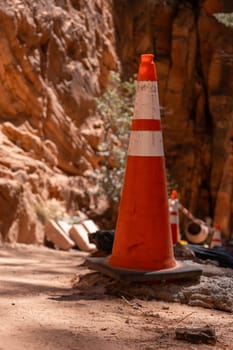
194	56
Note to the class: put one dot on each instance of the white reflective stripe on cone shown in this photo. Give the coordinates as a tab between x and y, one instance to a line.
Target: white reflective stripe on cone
173	205
216	240
174	219
146	144
146	101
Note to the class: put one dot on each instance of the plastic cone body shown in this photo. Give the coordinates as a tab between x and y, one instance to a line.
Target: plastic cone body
217	238
174	217
143	237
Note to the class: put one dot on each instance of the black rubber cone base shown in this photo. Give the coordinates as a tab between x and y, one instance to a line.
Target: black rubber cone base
180	271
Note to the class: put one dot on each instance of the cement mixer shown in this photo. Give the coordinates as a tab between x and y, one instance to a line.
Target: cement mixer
197	232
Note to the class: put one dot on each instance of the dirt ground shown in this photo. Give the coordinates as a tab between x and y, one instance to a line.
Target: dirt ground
42	308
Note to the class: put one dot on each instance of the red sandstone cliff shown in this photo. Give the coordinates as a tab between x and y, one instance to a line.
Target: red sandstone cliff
55	57
195	56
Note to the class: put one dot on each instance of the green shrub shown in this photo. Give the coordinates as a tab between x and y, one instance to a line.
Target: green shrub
50	209
115	107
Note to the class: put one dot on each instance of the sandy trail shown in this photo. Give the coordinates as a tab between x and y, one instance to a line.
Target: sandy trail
39	309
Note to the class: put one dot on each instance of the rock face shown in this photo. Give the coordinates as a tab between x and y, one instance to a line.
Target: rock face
55	57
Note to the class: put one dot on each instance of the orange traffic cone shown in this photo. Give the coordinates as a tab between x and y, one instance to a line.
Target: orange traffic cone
143	243
216	240
174	216
143	237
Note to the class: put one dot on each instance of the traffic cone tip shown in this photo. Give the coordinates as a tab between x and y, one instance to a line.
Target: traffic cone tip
147	70
174	194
